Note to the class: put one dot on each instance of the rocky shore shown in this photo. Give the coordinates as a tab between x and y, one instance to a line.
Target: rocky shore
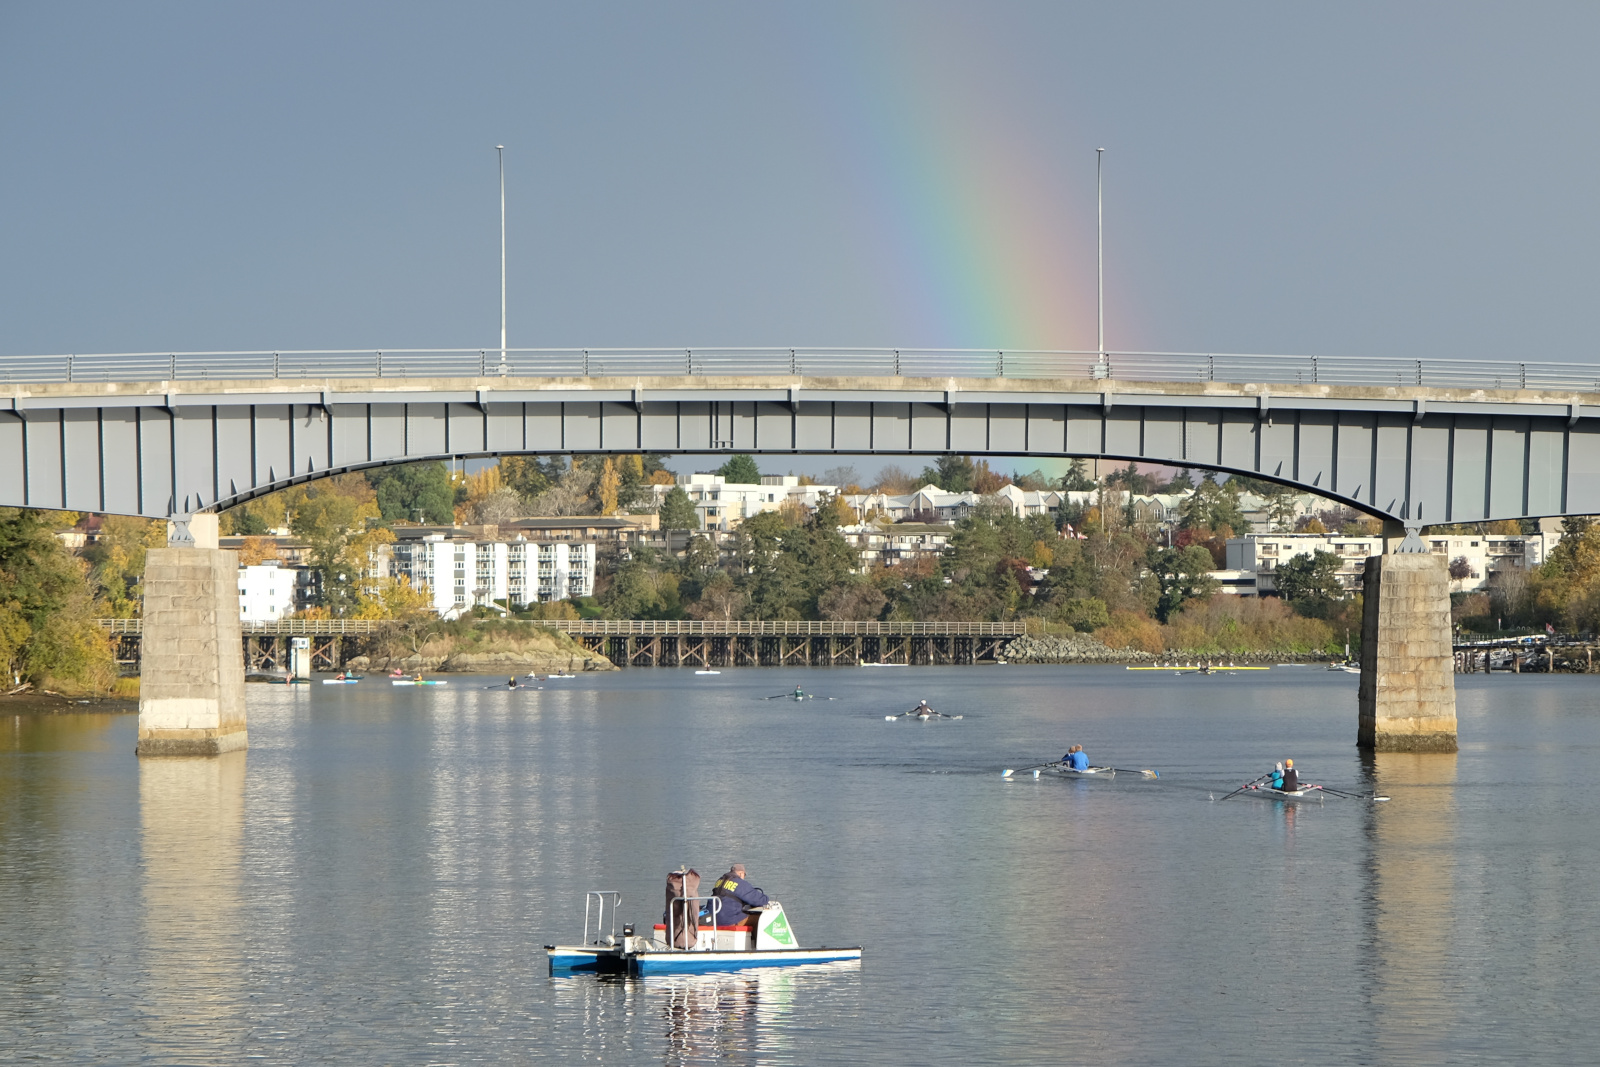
1086	648
1072	648
540	651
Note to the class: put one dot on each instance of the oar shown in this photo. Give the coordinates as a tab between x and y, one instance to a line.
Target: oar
1146	773
1353	796
1247	785
1008	772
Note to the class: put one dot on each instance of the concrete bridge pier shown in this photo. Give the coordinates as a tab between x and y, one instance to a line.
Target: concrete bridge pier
1408	683
191	676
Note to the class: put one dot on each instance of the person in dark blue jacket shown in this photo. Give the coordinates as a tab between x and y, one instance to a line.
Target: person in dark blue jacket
1076	758
731	895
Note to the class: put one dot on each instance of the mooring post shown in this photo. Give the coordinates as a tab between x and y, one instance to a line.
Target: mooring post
191	673
1408	687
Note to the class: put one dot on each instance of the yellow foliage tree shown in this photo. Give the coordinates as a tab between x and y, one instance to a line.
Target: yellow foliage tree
1041	555
392	598
610	481
257	550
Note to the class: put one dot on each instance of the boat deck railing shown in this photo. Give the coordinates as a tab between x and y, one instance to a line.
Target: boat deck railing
598	899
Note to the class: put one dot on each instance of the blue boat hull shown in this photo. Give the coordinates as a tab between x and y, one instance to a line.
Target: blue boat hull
649	963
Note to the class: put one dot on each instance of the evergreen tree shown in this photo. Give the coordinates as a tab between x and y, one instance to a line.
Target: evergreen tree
677	511
742	470
418	492
952	473
1077	479
1310	583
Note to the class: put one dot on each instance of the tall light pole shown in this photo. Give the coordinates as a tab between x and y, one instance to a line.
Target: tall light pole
501	151
1100	226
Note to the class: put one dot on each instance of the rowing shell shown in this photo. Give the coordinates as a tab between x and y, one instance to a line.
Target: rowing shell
1092	772
1306	794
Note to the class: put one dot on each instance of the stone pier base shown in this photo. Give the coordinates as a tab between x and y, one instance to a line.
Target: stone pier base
191	675
1408	683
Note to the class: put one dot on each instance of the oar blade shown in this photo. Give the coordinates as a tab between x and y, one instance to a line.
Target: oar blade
1007	773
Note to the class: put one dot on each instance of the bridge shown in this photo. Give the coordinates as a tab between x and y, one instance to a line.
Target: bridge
1414	442
658	642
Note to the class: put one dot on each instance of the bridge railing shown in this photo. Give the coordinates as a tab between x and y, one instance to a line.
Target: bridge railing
813	362
299	627
639	627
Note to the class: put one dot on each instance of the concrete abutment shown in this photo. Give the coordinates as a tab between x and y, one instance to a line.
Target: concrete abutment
1408	685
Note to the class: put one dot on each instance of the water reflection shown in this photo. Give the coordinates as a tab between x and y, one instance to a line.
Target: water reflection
191	815
736	1018
1411	842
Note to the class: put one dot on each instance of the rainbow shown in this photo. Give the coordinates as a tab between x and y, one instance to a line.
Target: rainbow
963	195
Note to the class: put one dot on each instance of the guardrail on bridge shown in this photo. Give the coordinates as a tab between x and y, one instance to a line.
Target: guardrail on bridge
401	363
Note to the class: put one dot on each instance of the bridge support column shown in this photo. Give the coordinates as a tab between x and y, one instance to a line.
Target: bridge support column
1408	685
191	676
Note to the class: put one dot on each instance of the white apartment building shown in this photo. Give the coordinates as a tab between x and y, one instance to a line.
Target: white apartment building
722	505
459	575
1483	554
269	592
892	546
1260	554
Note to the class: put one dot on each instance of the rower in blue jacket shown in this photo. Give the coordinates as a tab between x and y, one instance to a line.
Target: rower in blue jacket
1077	759
732	895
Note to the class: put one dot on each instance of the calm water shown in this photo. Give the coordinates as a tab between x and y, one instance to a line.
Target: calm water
373	881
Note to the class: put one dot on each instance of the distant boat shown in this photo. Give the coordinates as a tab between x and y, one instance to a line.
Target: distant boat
708	672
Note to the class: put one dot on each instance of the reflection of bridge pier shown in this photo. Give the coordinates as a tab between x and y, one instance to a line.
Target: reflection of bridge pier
1412	923
191	822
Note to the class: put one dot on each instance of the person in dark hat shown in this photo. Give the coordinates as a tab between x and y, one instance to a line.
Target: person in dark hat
732	895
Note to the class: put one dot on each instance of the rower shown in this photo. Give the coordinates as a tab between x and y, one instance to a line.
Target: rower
922	710
1275	777
799	694
512	683
732	895
1291	777
1077	759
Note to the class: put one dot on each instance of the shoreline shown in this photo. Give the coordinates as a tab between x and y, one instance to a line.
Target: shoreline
44	702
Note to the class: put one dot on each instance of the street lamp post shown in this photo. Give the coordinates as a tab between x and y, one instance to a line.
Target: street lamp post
500	149
1102	369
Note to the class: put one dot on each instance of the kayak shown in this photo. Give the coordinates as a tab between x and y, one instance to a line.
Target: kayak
412	681
340	681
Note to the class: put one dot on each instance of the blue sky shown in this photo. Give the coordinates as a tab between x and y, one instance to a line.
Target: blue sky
1374	179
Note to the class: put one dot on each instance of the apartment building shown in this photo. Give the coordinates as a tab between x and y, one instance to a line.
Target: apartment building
269	592
722	505
460	574
1477	555
882	545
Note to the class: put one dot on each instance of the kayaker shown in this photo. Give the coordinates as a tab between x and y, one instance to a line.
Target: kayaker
1291	777
339	677
1077	758
732	895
